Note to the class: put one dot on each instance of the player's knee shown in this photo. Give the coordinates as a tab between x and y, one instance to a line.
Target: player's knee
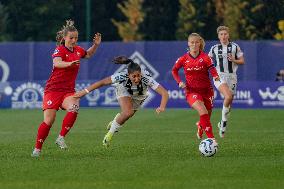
128	113
74	108
49	120
229	96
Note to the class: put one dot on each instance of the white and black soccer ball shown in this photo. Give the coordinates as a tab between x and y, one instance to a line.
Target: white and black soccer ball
208	147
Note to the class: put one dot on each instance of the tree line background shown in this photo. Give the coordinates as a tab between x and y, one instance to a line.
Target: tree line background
132	20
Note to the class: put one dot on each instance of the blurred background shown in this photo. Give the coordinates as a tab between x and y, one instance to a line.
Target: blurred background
153	32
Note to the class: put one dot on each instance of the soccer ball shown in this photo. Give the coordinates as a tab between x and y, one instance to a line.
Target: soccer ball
208	147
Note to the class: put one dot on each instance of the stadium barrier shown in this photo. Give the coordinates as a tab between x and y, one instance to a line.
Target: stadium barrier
28	95
25	66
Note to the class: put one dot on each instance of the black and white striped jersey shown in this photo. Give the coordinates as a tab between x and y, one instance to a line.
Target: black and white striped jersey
122	79
219	54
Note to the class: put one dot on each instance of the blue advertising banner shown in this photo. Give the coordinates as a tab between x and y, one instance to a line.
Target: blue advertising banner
23	73
28	95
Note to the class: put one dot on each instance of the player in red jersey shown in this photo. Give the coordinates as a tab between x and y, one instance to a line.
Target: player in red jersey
61	85
198	87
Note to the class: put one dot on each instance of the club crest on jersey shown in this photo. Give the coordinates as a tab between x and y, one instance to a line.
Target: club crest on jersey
49	102
78	53
56	51
201	60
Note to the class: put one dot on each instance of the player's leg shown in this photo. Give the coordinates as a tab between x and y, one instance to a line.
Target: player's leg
127	111
228	99
43	130
136	105
50	105
71	105
195	100
204	118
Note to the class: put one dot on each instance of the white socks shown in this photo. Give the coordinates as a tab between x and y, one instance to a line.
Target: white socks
225	112
114	126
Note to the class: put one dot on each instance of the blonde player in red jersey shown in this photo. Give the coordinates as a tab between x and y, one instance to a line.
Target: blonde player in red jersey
198	87
60	87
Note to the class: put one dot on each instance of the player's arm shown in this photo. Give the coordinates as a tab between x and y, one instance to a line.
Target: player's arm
96	85
165	97
59	63
239	59
96	42
175	73
212	69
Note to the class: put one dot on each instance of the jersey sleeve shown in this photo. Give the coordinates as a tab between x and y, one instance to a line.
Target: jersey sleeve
239	52
149	80
119	77
175	69
82	52
210	66
58	52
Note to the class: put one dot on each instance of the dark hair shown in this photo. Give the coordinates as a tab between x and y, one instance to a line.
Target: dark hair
132	66
69	27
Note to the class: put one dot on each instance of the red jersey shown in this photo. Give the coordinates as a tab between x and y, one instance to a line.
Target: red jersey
195	70
63	79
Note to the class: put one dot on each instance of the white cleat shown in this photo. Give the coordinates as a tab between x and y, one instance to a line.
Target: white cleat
61	143
36	153
222	128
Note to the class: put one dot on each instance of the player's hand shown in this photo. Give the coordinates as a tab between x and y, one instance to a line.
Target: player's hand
230	57
80	94
160	109
97	39
75	62
217	78
181	85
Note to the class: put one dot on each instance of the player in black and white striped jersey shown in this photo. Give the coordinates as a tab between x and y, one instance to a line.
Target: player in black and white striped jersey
227	56
131	91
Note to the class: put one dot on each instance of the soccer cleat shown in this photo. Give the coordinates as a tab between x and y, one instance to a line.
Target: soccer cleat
61	143
199	132
107	139
36	153
222	128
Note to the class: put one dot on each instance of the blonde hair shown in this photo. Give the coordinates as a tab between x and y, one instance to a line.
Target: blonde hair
221	28
68	27
202	42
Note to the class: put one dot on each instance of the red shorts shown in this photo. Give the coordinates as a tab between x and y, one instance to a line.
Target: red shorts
206	98
54	100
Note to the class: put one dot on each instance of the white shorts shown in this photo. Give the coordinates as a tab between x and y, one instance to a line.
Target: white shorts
136	101
230	80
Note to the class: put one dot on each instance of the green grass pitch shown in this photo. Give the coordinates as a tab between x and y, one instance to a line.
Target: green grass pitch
151	151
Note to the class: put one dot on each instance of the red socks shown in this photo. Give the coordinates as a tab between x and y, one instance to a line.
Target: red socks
42	133
68	122
206	125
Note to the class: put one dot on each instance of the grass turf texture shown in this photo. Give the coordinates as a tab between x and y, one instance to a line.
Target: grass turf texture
151	151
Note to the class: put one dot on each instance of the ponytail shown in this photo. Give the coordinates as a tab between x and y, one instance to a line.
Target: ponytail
122	60
132	66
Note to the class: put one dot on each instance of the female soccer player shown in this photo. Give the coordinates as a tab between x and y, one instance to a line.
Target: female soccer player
227	56
198	88
60	87
131	91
